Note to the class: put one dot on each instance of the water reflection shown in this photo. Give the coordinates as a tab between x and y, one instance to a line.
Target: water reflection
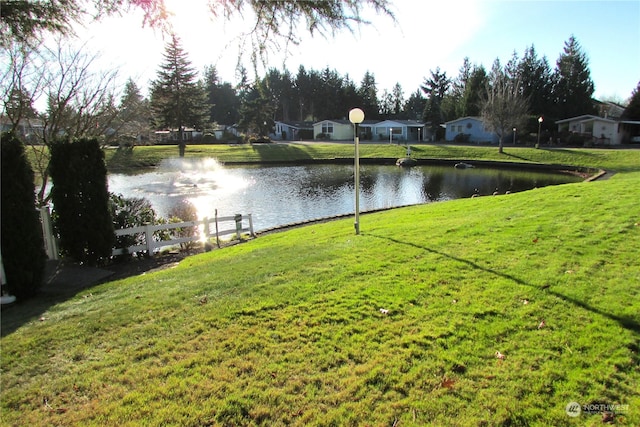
278	195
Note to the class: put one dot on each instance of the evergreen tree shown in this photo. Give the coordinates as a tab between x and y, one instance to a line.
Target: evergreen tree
328	98
397	100
81	200
302	86
435	88
256	112
632	112
386	104
350	98
573	86
459	84
23	255
369	95
536	82
473	93
134	115
177	98
414	107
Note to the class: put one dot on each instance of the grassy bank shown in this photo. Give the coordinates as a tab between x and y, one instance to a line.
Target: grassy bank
142	156
400	325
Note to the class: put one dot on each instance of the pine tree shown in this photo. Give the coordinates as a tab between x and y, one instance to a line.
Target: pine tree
632	112
369	94
134	114
537	82
177	98
435	89
573	85
224	104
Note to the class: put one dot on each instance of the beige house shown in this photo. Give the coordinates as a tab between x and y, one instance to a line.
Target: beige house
602	130
333	129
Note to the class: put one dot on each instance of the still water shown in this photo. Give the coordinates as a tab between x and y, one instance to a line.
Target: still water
279	195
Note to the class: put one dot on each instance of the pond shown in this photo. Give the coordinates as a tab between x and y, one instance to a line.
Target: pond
280	195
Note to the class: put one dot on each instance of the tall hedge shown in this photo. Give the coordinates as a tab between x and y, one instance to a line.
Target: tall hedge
23	254
81	200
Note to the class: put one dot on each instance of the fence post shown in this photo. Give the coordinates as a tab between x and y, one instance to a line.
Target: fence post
217	235
251	225
206	228
50	244
148	238
238	219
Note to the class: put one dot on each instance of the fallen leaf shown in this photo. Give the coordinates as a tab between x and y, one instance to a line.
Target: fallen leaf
542	325
447	383
500	355
525	301
384	311
535	240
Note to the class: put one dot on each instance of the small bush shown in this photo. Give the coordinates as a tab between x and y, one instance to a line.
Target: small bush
130	212
23	255
183	212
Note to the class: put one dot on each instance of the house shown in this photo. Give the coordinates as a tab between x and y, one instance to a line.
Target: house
293	131
468	129
333	129
601	130
32	129
386	130
398	130
169	136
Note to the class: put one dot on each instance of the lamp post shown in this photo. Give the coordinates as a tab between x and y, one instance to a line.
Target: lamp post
514	136
540	120
356	116
390	135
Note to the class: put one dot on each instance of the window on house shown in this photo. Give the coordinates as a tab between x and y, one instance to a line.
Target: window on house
327	128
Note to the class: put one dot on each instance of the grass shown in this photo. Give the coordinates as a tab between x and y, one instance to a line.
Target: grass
287	329
152	155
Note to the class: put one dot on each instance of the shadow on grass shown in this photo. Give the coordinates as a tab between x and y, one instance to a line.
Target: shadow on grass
269	152
516	157
624	321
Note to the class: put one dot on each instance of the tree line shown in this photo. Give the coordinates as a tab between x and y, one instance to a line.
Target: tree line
312	95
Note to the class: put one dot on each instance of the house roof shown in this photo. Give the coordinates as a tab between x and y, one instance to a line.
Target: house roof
585	118
296	124
464	118
339	121
400	123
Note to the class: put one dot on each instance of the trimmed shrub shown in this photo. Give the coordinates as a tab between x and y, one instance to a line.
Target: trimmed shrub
23	255
81	200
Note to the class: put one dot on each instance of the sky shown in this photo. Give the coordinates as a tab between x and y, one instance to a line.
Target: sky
425	35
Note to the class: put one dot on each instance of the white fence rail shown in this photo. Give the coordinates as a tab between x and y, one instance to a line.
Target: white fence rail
208	228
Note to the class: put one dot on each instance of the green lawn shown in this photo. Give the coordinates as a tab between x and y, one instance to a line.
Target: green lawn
400	325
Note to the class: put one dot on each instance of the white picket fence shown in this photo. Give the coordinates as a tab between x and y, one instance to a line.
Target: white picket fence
208	228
